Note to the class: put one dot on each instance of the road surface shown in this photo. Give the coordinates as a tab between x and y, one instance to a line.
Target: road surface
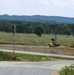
32	68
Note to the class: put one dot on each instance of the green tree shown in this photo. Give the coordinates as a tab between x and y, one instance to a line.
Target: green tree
72	27
38	30
20	29
68	31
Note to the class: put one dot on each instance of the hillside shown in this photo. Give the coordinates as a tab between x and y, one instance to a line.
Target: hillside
38	18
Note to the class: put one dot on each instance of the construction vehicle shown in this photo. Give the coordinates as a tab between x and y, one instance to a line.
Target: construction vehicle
55	44
72	45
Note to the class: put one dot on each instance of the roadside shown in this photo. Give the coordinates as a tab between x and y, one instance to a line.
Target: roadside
64	50
54	72
38	53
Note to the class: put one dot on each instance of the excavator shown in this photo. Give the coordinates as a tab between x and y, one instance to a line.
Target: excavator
72	45
53	43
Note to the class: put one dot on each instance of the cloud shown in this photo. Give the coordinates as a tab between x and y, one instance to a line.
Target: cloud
67	3
60	2
31	7
71	2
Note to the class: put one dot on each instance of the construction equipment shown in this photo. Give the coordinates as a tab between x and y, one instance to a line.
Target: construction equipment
55	44
72	45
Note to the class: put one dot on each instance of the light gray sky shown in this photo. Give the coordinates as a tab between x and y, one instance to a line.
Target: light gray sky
38	7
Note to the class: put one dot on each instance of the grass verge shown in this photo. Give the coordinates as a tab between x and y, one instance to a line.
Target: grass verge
67	70
7	56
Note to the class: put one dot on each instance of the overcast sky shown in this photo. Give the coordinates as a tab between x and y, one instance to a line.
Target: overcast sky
38	7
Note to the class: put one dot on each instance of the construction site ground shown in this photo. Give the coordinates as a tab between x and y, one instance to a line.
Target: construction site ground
65	50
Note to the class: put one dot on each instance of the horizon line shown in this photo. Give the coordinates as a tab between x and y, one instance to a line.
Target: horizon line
37	15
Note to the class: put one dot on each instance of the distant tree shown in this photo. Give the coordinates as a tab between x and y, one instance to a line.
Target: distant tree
72	27
68	31
38	30
20	29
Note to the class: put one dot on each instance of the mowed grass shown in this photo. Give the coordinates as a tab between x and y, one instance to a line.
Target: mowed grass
7	56
32	39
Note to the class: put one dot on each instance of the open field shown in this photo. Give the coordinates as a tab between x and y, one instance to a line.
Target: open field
31	42
32	39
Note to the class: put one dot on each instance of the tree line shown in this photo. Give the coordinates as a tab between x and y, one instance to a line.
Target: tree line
37	27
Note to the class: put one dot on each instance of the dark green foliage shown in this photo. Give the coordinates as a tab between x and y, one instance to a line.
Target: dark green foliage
6	57
14	57
20	29
52	39
68	31
67	70
38	30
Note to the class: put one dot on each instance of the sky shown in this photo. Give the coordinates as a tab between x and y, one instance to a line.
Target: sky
37	7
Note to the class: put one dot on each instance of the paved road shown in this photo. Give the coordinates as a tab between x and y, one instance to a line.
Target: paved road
31	68
36	53
20	68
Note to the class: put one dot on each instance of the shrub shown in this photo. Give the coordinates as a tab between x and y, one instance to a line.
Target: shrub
67	70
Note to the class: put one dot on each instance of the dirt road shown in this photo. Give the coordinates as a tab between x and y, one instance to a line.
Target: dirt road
54	50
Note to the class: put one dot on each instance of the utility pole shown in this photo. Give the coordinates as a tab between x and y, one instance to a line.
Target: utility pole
14	31
51	31
55	36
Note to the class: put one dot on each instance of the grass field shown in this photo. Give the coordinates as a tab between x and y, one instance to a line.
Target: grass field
32	39
7	56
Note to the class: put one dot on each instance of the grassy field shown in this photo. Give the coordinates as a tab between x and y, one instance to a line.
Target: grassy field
7	56
32	39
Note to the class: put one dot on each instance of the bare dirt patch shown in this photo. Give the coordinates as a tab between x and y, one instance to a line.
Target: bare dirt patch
54	73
